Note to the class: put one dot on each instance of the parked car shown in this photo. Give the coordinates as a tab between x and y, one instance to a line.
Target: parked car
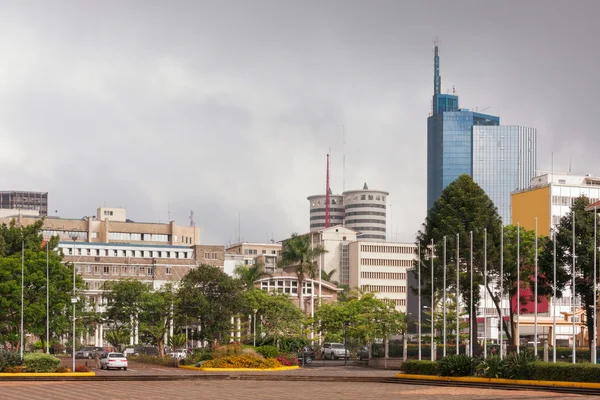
145	350
113	360
88	352
308	354
363	353
333	351
179	354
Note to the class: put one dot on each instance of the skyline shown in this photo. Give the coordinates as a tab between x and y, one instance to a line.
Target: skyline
224	110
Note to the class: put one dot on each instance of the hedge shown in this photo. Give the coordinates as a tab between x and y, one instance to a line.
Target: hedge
40	362
562	371
166	361
422	367
9	360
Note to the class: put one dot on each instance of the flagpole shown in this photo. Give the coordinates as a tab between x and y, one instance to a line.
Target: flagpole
432	306
22	294
484	293
518	335
554	304
535	300
47	299
501	336
471	319
419	295
573	294
444	296
457	294
595	289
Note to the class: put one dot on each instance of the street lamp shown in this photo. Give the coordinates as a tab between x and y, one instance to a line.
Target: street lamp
346	324
73	301
255	311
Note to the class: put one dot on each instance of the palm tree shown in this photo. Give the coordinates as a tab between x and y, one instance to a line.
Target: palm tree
327	276
249	274
298	252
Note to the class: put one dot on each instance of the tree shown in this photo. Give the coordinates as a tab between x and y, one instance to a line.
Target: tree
249	274
12	239
328	276
117	338
208	297
156	315
584	259
125	300
298	252
278	315
463	207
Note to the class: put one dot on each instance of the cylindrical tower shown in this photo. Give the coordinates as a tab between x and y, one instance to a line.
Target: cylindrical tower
317	210
365	212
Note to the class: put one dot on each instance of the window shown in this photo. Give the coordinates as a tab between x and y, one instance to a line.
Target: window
264	252
150	271
108	213
106	270
168	270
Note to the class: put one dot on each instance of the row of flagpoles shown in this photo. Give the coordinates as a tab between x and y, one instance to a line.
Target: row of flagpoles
500	314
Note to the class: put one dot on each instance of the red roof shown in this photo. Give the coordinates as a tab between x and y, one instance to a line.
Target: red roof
595	205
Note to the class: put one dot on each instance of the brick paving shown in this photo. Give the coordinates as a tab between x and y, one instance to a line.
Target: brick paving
252	390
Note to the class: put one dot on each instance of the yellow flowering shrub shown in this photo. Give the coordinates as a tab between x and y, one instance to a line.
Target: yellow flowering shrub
242	361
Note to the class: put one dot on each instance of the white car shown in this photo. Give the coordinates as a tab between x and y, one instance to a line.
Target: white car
113	360
179	354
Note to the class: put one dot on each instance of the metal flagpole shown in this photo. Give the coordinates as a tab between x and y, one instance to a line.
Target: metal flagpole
595	289
484	293
518	335
22	294
432	319
472	318
47	299
535	299
419	295
501	290
554	304
573	294
444	302
457	294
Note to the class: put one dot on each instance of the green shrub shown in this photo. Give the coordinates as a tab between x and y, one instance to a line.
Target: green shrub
456	365
166	361
9	360
268	351
242	361
40	362
516	365
562	371
490	367
422	367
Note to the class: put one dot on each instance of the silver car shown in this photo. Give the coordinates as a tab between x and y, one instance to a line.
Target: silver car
88	352
334	351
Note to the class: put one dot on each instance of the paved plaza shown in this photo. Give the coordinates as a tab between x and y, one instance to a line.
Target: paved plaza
251	390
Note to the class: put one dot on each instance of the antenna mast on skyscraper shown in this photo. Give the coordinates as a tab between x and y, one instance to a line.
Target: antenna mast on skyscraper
327	197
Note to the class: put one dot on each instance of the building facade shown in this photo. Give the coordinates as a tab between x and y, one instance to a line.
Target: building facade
549	198
364	211
382	268
252	251
19	200
504	160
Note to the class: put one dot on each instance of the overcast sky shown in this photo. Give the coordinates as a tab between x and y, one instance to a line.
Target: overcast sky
230	107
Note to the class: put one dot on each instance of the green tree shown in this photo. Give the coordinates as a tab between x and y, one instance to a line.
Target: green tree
117	338
125	300
328	276
298	252
208	297
12	238
584	259
156	315
463	207
249	274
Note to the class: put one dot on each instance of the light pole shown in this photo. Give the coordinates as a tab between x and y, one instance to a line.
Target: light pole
595	286
573	294
501	336
255	311
518	335
346	324
47	299
535	300
22	296
419	296
484	292
432	306
472	318
74	302
457	294
444	301
554	301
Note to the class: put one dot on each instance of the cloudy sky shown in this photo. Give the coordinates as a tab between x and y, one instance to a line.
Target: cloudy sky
229	108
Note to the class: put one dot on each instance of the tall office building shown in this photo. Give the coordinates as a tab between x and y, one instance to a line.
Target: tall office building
449	138
500	159
504	159
15	200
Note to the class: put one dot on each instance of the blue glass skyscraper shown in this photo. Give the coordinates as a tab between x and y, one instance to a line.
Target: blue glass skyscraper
500	159
449	138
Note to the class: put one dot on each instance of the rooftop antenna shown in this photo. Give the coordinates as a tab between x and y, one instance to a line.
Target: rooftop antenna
437	79
570	163
169	211
239	227
327	197
192	219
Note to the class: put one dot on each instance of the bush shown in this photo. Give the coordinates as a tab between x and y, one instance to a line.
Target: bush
242	361
268	351
490	367
287	359
62	369
422	367
9	360
561	371
82	368
292	344
40	362
166	361
456	365
516	365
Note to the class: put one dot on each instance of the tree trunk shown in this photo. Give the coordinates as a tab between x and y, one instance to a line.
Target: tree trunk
301	292
498	305
589	311
387	351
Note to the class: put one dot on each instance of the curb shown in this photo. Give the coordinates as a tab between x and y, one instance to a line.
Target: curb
190	367
46	374
466	379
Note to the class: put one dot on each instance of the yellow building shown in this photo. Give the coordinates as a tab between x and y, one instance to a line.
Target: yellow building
549	198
